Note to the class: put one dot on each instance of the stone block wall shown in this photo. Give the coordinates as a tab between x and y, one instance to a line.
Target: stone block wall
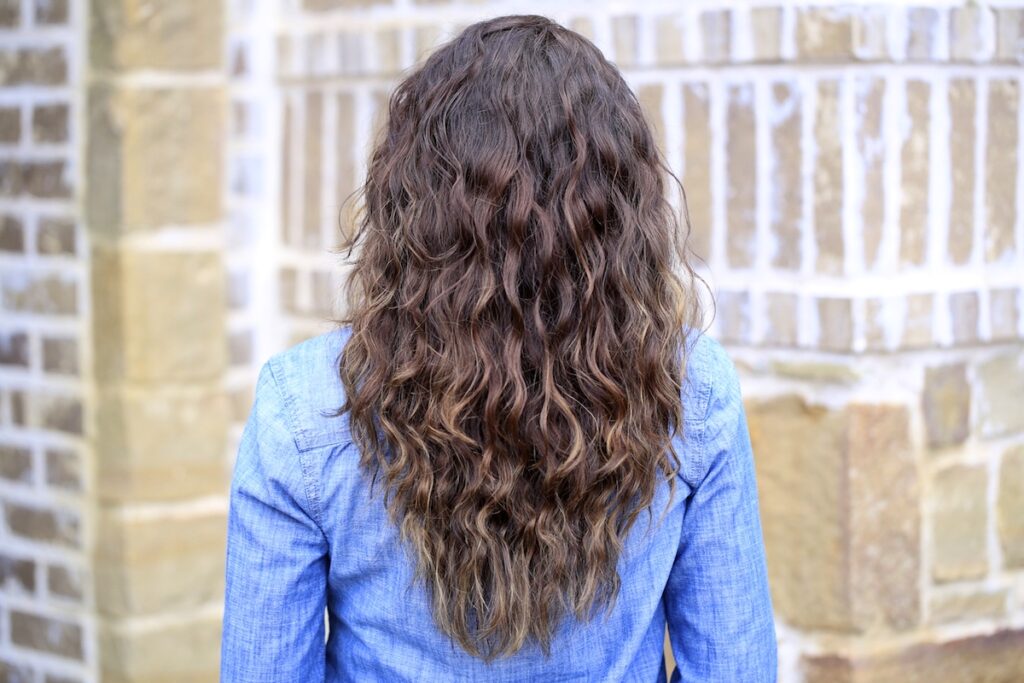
170	181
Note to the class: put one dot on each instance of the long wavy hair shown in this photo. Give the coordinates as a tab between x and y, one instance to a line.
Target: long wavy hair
519	311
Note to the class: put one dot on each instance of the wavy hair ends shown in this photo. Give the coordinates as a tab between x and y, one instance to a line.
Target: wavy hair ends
519	311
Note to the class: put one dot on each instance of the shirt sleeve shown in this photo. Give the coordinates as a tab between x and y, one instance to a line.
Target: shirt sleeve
717	603
277	554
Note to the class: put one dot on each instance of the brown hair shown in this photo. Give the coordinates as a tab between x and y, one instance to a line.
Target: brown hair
518	327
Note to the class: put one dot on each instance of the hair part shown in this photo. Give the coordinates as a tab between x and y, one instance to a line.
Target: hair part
519	311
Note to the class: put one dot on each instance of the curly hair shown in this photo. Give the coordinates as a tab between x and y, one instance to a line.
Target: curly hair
519	311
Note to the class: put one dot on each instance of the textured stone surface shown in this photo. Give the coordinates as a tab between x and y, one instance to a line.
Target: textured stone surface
958	523
787	190
741	183
915	160
165	653
946	403
1000	377
147	566
161	314
154	157
995	658
1001	164
828	180
149	34
696	162
46	634
1010	507
973	605
841	556
962	151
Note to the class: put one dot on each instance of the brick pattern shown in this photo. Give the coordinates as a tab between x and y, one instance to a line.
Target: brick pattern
45	633
855	188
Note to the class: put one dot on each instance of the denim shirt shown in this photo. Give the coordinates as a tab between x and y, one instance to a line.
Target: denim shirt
304	536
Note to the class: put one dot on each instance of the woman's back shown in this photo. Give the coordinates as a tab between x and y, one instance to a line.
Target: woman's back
305	535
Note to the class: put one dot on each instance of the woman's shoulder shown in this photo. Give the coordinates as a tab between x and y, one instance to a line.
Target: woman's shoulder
310	388
710	372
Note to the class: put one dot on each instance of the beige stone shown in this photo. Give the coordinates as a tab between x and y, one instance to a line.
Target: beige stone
1010	27
1004	313
1000	386
669	38
870	95
161	444
159	314
715	26
1001	170
993	658
168	652
839	501
148	566
869	33
971	33
1010	507
828	180
154	157
832	373
917	322
922	23
959	520
741	176
697	165
781	315
650	96
946	403
734	316
624	36
963	313
915	160
766	29
824	34
787	183
312	177
148	34
971	606
962	96
47	634
835	323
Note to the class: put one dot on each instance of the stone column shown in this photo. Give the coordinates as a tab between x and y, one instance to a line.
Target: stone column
154	163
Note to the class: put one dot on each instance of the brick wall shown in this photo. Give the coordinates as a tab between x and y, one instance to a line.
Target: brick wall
45	633
169	192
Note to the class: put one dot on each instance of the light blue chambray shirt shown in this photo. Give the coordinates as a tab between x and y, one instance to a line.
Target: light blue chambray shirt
304	535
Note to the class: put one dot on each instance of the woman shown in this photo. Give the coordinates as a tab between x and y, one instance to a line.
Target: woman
464	473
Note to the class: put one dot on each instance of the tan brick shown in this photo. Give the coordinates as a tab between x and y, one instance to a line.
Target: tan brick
10	124
915	159
946	403
1010	31
1004	313
828	180
835	323
12	234
922	25
15	463
1000	384
32	65
1001	170
650	96
154	157
971	33
741	176
14	349
839	494
43	294
871	146
47	634
824	34
995	658
670	38
313	172
624	37
10	12
17	575
167	652
56	235
64	469
697	165
56	525
715	30
975	605
60	355
51	12
50	123
734	311
869	33
781	315
917	321
787	183
161	444
1010	507
958	523
146	566
65	582
963	312
766	26
345	173
584	26
812	371
160	314
180	35
287	170
962	148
